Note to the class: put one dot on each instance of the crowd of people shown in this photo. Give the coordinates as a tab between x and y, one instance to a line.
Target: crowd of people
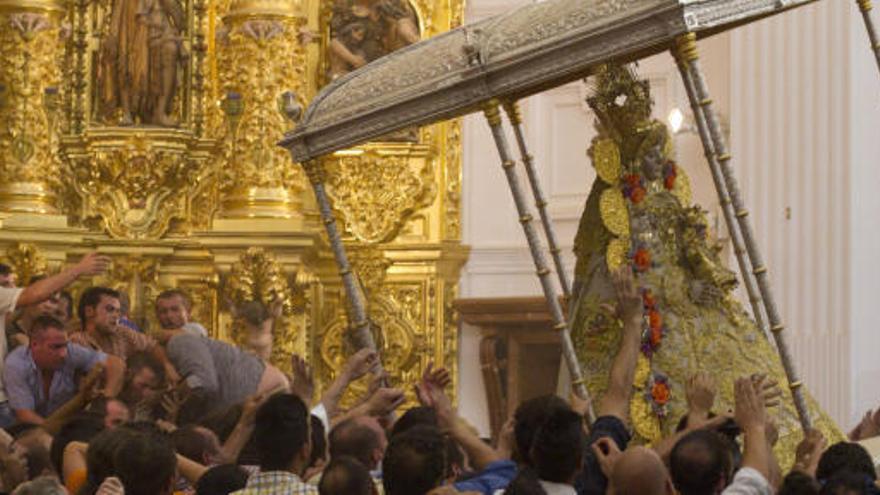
90	405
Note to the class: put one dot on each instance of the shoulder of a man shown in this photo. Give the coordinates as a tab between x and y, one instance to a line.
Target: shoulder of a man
17	359
82	358
748	481
9	298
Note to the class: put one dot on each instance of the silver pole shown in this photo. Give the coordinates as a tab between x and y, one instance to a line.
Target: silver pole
688	54
515	117
724	199
360	324
493	116
866	6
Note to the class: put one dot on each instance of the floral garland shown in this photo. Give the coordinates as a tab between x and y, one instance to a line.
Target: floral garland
657	391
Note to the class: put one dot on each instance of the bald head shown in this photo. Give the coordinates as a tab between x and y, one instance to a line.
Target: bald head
639	471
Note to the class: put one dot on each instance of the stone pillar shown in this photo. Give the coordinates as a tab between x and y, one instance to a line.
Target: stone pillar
261	68
30	102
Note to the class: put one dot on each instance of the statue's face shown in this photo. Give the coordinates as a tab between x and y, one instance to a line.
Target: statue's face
652	164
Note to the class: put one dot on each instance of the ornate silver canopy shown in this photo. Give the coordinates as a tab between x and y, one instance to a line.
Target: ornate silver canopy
509	56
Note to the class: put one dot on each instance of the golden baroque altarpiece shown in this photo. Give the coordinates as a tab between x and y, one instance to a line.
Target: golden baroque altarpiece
147	129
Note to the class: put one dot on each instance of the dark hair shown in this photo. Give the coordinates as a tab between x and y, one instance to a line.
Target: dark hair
222	479
347	475
846	482
281	432
414	462
699	461
5	269
354	439
168	294
81	428
37	455
415	416
845	456
145	464
100	455
525	483
43	323
143	359
193	444
90	298
529	416
558	448
319	441
798	483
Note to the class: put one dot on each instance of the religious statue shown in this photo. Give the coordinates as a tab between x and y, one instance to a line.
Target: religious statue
140	56
363	30
639	213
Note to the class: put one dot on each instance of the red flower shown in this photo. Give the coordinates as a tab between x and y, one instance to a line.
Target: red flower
632	180
642	260
660	393
656	337
648	299
655	320
637	194
669	182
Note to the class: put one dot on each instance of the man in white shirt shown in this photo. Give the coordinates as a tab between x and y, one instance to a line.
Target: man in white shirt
12	298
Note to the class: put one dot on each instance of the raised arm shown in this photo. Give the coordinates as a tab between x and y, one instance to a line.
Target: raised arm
91	264
630	308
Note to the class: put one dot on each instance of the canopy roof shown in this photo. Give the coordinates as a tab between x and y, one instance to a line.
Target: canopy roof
513	55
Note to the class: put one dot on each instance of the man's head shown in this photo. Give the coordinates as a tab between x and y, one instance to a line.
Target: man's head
222	480
172	309
558	447
361	437
415	462
346	475
99	309
282	434
113	412
46	307
48	343
198	444
529	416
845	456
701	462
43	485
319	454
144	378
35	445
7	276
146	465
639	471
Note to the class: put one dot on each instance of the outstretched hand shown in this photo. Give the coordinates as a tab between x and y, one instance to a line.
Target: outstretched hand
303	384
630	306
360	363
92	264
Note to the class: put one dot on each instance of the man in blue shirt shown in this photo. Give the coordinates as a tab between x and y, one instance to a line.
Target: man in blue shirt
43	375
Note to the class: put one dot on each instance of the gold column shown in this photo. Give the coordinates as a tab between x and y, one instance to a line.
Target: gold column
30	76
261	64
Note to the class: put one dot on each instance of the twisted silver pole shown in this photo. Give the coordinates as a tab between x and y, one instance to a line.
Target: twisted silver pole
866	6
724	199
515	117
493	116
688	55
360	324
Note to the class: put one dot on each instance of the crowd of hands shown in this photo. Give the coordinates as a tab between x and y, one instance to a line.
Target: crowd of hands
755	397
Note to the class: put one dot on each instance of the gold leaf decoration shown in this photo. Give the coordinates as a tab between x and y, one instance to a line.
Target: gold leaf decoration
614	212
606	159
